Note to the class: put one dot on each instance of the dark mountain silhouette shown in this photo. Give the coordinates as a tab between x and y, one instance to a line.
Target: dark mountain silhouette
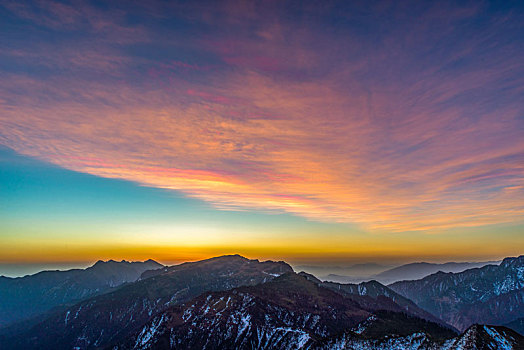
517	325
484	337
379	292
289	312
106	318
236	303
413	271
25	297
420	270
349	274
477	337
491	294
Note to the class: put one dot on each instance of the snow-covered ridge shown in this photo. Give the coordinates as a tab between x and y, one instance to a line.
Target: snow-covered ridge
491	294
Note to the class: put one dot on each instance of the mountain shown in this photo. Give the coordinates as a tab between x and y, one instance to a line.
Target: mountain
25	297
379	292
420	270
333	277
109	317
348	274
477	337
486	337
289	312
411	271
491	294
517	325
236	303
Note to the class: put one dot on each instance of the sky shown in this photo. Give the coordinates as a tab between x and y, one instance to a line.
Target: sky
311	132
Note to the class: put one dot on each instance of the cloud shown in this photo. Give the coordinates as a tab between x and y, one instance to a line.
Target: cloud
78	16
293	114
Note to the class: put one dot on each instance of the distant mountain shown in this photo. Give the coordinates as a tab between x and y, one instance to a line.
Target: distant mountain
517	325
349	274
107	318
289	312
491	294
411	271
332	277
420	270
25	297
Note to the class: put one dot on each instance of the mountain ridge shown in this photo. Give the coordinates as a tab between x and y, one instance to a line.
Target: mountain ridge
288	312
108	317
474	295
24	297
411	271
243	303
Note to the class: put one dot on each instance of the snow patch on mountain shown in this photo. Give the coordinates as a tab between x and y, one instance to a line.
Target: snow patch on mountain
500	341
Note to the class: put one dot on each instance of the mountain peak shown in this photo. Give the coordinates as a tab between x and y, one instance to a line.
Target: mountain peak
513	261
112	262
230	257
310	277
108	262
372	284
152	264
26	297
490	337
99	262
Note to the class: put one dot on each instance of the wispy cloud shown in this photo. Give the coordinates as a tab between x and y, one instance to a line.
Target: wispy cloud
408	129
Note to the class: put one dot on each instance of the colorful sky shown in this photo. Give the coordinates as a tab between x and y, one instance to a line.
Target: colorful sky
332	131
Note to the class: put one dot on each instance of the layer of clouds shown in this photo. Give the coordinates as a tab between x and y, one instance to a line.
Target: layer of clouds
396	117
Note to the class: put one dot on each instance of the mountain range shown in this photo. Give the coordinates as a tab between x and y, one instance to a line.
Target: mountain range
24	297
110	317
351	273
412	271
491	294
288	312
231	302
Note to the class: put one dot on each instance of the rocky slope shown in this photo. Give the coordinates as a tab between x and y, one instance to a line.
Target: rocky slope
491	294
106	318
488	338
236	303
477	337
377	294
415	271
290	312
29	296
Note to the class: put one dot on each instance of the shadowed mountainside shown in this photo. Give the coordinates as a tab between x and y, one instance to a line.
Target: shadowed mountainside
29	296
491	294
420	270
517	325
234	302
289	312
413	271
106	318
